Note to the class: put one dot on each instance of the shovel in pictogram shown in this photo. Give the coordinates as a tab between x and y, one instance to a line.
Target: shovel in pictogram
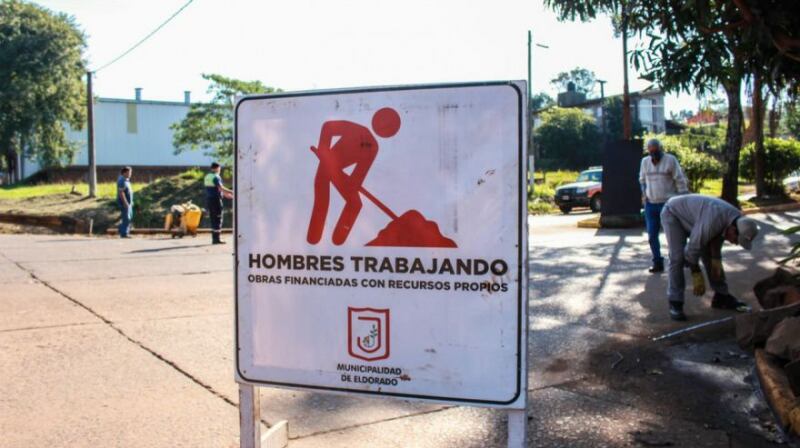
410	229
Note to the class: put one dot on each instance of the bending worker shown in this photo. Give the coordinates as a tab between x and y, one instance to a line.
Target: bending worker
215	191
706	222
661	178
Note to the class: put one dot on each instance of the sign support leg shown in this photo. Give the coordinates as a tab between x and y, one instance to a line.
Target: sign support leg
517	428
249	417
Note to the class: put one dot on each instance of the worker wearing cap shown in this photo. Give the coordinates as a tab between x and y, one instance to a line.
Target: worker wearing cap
706	222
661	178
215	191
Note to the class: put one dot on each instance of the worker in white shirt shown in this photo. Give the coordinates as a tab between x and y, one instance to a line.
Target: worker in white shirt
661	177
696	226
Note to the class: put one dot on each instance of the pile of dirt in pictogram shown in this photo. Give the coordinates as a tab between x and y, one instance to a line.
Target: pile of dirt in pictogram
412	230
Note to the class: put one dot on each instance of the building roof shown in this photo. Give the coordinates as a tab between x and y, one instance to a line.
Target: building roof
149	102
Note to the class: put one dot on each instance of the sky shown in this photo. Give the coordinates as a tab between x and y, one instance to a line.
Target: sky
316	44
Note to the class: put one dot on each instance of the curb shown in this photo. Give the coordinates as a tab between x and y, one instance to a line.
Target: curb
778	392
594	223
112	231
773	208
63	224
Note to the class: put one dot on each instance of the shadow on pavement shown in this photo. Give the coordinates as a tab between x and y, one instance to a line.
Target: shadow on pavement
165	249
699	385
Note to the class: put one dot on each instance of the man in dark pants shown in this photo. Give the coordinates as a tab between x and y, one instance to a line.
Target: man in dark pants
215	192
125	201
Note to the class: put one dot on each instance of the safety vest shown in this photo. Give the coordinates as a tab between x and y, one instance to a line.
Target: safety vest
208	181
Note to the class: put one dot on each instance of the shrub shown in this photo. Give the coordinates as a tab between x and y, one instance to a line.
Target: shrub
540	207
781	158
697	166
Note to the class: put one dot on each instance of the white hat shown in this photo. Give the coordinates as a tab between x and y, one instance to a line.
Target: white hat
748	230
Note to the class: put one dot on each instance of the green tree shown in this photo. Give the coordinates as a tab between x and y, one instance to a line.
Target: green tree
702	45
209	126
41	90
541	101
792	120
682	116
706	139
567	138
612	115
583	79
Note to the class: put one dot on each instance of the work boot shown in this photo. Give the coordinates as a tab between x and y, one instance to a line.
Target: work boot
676	311
657	267
215	238
728	302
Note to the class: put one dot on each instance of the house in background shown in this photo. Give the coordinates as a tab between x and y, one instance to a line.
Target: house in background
647	105
128	132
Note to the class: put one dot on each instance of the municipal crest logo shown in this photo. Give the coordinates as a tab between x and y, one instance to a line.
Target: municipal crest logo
368	333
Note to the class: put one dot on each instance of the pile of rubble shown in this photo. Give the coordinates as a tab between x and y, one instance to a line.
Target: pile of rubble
774	335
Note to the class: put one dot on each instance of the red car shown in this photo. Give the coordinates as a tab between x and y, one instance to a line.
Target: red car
586	191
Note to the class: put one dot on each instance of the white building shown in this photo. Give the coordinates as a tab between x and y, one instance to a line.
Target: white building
131	132
647	106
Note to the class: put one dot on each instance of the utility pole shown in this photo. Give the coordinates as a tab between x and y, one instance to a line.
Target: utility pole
530	95
626	98
90	136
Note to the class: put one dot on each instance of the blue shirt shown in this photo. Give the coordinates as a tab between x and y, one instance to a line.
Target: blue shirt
124	185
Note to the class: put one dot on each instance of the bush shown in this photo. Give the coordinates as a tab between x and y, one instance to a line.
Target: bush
706	139
697	166
540	207
781	158
541	195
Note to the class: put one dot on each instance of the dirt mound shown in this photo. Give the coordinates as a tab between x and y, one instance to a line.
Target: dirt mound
412	230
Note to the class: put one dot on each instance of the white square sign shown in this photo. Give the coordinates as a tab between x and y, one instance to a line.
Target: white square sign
381	242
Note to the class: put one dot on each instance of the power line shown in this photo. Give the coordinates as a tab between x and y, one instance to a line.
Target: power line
144	38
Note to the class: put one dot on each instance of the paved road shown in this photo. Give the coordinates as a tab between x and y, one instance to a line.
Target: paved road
105	342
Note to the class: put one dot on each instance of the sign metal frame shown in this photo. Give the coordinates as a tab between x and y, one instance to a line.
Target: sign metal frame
522	251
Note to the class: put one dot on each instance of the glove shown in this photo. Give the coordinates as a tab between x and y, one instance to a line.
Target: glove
698	283
716	269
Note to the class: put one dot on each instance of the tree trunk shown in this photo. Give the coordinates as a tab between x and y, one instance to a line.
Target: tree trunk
11	166
733	142
758	136
774	116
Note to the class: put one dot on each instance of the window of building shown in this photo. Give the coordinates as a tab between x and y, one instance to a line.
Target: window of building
133	123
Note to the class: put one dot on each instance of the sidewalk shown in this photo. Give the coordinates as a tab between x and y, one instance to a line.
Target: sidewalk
105	342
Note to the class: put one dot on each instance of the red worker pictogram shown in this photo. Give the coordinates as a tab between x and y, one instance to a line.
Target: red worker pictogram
357	147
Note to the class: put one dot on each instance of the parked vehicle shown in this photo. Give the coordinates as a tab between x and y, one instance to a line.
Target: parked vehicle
792	182
586	191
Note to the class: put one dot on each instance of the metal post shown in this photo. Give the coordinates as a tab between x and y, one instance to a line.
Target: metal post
530	93
530	86
627	128
517	428
249	417
529	116
90	136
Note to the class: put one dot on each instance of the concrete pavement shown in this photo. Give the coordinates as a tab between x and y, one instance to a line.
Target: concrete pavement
107	342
